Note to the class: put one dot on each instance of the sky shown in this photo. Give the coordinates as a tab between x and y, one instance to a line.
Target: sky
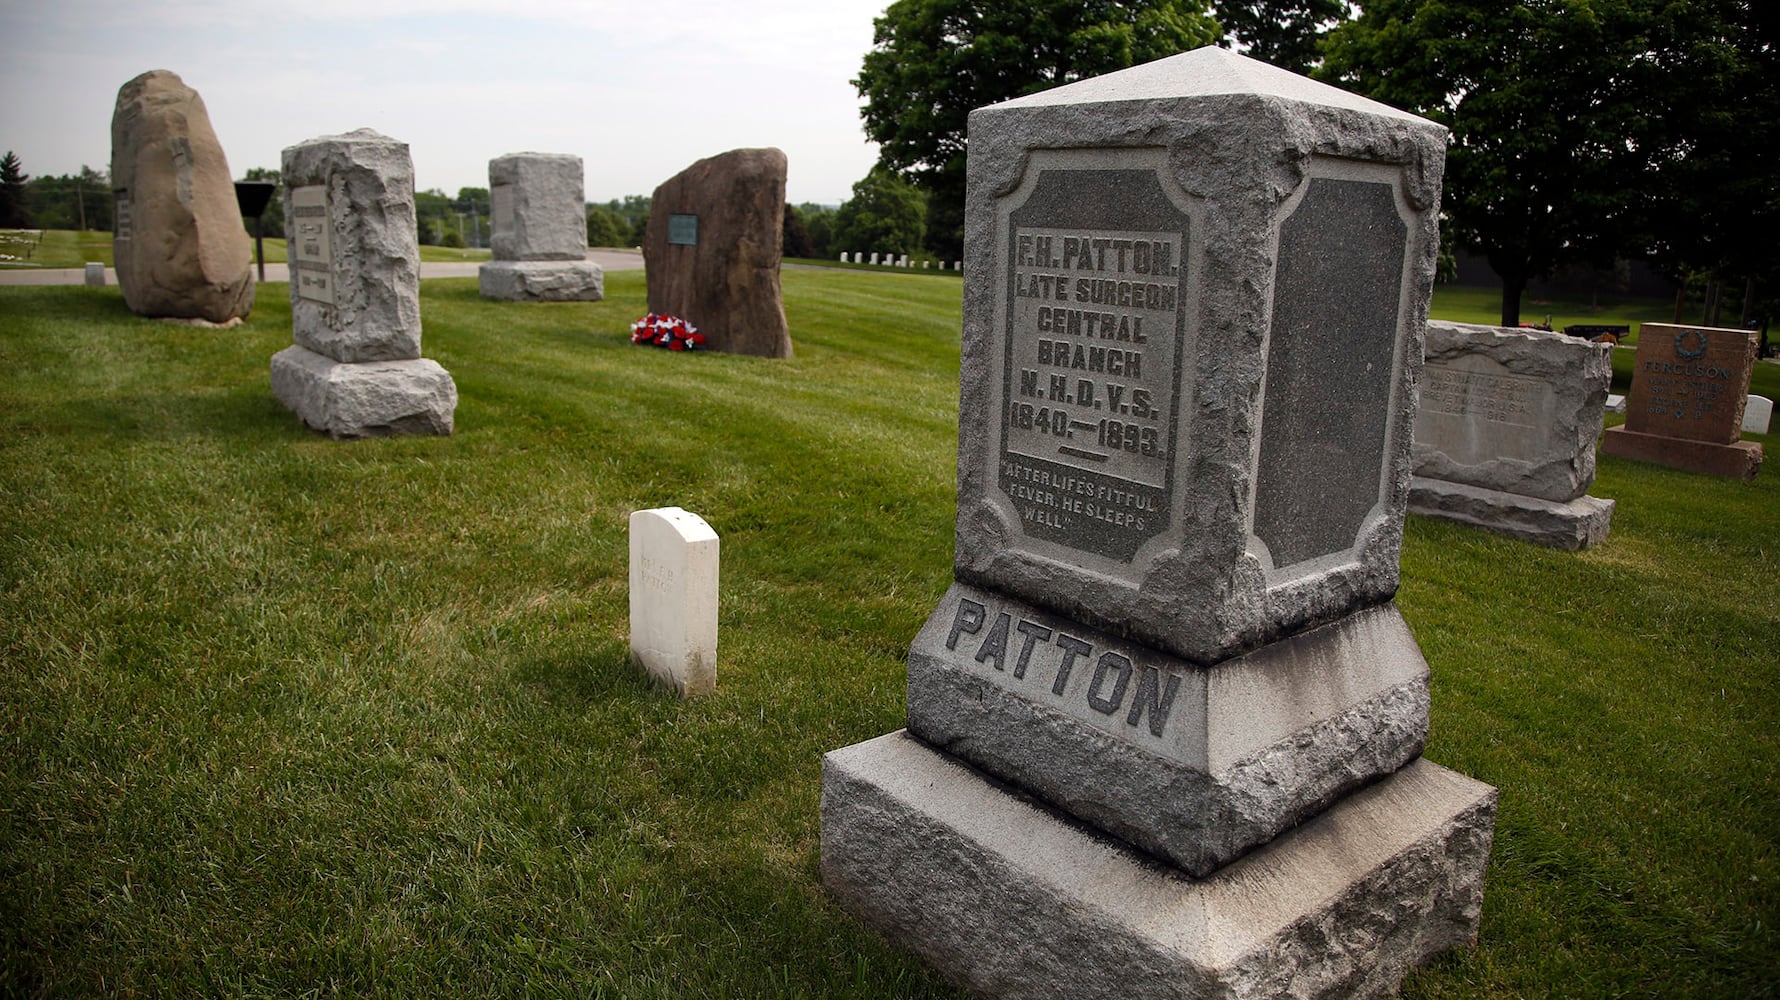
639	89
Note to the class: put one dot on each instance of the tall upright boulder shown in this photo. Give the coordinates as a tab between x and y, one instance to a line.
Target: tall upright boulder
713	248
180	248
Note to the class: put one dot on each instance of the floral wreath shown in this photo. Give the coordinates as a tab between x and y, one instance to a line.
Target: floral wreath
1690	353
670	332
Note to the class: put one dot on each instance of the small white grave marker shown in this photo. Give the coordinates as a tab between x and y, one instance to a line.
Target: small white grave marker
95	275
1758	413
673	598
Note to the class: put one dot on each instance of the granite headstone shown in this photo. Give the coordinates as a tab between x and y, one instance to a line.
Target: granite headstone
355	368
1685	410
1193	320
538	231
1505	433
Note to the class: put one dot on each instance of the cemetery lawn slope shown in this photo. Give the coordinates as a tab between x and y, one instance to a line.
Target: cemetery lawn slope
285	714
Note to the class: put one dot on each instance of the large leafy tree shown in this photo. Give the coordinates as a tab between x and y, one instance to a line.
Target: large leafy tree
1286	33
886	214
932	62
1718	185
1552	106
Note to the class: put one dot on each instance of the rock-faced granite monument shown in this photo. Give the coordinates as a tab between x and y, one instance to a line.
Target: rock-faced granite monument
179	245
1685	410
1164	729
355	369
538	219
1505	433
712	251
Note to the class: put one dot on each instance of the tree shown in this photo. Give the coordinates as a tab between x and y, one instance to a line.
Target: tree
473	202
818	222
886	214
436	217
1286	33
795	239
934	61
606	228
12	192
1549	104
273	219
1718	203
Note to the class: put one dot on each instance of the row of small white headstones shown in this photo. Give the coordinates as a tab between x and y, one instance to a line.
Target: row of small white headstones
896	260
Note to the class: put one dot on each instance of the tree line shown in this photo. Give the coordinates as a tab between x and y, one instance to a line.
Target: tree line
1583	131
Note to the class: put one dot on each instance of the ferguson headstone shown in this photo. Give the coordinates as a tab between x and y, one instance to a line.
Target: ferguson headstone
1689	387
355	368
537	215
179	247
1192	324
1505	433
712	251
673	598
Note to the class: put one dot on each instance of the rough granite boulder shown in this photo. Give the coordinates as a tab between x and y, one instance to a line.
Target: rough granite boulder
713	247
180	248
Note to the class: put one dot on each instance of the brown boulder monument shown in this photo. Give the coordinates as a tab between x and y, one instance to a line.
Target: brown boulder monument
180	248
711	255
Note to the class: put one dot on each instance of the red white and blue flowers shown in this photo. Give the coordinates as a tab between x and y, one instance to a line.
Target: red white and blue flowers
670	332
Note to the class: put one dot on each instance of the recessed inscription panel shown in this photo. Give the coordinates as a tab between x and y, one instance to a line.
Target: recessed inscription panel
1094	338
1331	368
125	226
1474	410
312	244
500	211
683	230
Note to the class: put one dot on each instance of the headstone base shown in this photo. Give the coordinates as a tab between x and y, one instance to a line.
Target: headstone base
1737	460
1578	524
1009	899
366	398
1248	747
542	280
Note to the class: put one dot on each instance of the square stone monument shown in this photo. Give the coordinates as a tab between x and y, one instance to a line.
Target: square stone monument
1689	387
1505	433
1164	730
538	223
355	369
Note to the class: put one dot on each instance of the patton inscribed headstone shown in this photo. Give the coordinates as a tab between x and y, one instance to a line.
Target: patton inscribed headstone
355	369
179	246
538	223
1689	387
1505	433
712	251
1193	316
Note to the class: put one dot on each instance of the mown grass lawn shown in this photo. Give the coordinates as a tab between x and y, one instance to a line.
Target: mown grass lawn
288	715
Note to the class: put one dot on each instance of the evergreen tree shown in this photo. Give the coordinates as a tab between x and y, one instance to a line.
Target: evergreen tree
12	193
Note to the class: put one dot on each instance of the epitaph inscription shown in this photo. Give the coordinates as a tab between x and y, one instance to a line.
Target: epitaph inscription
1094	334
1331	369
312	244
1476	411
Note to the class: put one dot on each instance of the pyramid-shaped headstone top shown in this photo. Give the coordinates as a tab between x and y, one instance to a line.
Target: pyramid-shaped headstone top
1205	72
1196	300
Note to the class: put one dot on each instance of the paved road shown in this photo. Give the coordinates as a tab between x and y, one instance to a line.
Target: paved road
610	260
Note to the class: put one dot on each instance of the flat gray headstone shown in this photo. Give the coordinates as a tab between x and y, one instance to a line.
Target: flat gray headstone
673	598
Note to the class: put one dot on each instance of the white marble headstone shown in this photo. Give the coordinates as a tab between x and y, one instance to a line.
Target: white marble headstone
1758	413
673	598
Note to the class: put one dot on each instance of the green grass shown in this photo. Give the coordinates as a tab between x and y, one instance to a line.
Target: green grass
287	715
44	248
